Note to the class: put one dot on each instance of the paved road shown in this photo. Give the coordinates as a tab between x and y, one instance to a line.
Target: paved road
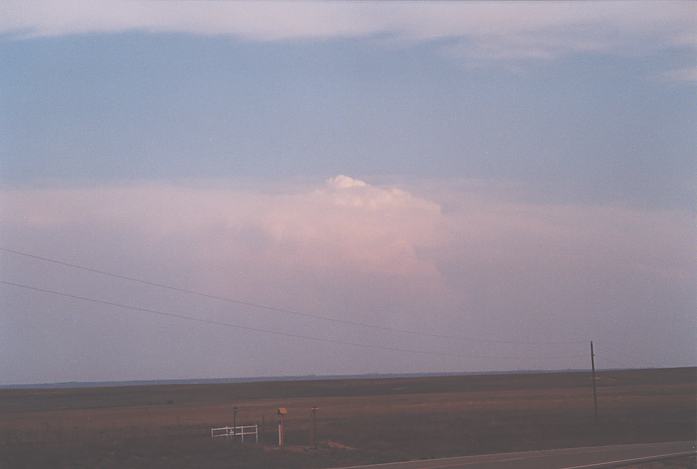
568	458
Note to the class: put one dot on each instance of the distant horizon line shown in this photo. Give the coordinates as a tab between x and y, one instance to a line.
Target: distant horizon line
304	377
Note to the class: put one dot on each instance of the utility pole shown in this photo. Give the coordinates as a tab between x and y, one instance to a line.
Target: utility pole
314	427
595	394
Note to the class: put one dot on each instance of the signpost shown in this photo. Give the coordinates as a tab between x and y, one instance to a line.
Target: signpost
282	412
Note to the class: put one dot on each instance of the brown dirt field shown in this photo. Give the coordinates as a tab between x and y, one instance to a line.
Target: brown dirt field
359	421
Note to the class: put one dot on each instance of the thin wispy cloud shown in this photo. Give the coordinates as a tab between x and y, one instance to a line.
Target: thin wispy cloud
491	31
688	74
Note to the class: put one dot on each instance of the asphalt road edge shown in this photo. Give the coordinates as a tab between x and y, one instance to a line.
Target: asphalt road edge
601	465
624	462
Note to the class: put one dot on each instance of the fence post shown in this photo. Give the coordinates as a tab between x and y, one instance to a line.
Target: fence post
314	427
234	420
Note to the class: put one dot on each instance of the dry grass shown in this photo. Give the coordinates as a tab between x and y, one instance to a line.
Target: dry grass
365	420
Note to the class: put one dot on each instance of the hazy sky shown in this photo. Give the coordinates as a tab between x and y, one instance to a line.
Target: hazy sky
520	174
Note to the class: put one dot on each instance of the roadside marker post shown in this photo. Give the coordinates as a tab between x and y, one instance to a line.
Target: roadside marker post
282	412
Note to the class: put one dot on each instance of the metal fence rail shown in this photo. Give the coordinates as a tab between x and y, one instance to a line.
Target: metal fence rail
239	431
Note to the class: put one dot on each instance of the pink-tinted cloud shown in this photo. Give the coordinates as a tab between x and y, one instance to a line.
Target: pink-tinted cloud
470	261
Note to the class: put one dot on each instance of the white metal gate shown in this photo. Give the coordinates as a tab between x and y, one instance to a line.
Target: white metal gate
234	432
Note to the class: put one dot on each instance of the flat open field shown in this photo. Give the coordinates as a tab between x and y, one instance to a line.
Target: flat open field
359	420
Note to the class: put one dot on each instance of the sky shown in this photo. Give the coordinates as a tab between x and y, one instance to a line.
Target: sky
343	188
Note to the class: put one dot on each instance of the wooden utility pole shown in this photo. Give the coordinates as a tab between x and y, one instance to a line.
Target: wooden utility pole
595	394
314	428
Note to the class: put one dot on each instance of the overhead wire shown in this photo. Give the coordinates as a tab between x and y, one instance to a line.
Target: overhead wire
277	309
258	329
628	356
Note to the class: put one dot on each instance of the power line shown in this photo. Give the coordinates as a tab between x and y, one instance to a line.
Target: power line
617	351
258	329
612	361
277	309
628	356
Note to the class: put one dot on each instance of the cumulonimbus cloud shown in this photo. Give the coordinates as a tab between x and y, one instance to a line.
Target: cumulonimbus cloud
489	30
466	258
344	224
348	225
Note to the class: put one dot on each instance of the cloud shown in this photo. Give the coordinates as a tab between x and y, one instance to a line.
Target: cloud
474	260
490	30
345	224
688	74
350	228
345	182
